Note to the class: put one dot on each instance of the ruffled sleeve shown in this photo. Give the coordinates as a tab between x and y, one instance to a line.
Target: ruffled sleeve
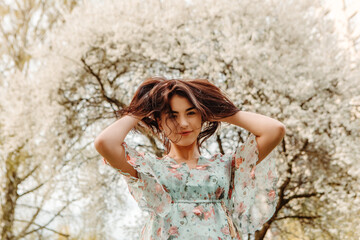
253	189
150	195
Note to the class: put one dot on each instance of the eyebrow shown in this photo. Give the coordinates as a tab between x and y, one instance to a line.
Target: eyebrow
186	110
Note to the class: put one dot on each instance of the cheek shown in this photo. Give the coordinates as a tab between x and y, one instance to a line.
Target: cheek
197	122
169	128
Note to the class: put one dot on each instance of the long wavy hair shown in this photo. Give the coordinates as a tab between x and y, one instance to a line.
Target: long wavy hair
153	98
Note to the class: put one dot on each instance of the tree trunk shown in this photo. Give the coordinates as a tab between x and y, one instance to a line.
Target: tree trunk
11	196
259	235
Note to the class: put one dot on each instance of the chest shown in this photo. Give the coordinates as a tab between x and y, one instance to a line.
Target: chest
191	164
195	179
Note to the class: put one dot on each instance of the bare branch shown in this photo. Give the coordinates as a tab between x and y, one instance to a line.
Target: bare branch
97	77
29	174
43	227
32	190
218	140
50	221
298	217
305	195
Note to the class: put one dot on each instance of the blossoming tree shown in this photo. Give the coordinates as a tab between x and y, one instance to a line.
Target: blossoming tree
277	58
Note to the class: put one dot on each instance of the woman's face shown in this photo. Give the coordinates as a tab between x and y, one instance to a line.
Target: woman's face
188	119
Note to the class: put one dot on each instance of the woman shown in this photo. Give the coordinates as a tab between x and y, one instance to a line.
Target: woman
189	196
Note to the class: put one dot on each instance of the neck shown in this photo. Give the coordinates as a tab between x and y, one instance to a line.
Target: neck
184	152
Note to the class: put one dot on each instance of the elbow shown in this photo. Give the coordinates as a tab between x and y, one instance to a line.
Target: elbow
99	144
282	130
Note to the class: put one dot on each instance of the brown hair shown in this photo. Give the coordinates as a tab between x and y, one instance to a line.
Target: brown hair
153	98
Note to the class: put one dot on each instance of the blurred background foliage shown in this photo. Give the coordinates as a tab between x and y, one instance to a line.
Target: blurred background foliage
67	66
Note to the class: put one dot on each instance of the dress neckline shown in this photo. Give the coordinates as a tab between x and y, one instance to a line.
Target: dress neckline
184	163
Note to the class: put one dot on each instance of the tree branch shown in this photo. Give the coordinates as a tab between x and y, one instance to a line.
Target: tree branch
32	190
218	140
29	174
50	221
298	217
97	77
52	230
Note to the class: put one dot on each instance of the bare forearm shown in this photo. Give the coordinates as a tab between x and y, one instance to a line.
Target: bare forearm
117	131
269	132
255	123
108	143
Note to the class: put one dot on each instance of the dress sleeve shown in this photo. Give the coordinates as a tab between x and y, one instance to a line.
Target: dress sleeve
253	189
150	195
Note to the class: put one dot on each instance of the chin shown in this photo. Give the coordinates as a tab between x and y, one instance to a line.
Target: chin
184	143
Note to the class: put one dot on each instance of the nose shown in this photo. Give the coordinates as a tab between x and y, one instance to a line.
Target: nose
183	122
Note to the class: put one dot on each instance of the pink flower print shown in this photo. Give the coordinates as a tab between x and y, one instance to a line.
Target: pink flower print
158	232
158	188
178	176
207	215
270	176
144	184
225	230
241	207
202	167
198	210
230	193
238	161
173	230
212	209
242	148
142	231
176	165
159	209
131	160
168	197
252	173
218	192
173	170
183	214
165	188
233	160
271	195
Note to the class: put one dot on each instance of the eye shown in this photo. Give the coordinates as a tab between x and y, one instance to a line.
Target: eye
191	113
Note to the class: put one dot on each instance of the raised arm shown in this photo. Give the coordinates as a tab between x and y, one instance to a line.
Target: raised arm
108	143
269	132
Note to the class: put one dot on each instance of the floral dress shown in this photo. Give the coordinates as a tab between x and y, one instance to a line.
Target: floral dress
224	197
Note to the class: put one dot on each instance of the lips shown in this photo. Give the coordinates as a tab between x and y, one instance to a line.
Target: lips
185	133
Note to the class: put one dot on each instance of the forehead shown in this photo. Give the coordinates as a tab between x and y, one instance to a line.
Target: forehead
180	104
